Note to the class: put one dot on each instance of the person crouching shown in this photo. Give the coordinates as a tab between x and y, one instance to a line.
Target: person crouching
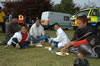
20	39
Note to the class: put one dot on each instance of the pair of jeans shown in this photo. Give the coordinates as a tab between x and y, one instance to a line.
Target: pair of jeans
2	24
22	45
54	42
39	38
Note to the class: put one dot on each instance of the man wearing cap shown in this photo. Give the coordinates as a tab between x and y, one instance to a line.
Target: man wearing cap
2	23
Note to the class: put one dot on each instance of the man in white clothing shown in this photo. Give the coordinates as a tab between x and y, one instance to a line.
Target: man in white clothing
61	38
37	33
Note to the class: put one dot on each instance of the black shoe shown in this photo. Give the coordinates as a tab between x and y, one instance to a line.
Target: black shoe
77	62
85	62
1	43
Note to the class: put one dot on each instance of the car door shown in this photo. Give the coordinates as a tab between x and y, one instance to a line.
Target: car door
95	16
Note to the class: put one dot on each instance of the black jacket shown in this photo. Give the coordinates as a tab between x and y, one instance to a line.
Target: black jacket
81	32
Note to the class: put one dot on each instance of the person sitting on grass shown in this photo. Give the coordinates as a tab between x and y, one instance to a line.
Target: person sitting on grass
20	39
83	35
61	38
37	33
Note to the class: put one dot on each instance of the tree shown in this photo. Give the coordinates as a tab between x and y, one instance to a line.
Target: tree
66	6
32	8
57	8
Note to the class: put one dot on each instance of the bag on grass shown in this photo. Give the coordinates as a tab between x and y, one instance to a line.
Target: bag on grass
79	62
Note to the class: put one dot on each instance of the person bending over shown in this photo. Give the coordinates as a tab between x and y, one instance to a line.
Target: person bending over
83	35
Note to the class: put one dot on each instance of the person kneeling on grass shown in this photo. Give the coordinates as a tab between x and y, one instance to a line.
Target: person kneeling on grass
20	39
61	38
83	39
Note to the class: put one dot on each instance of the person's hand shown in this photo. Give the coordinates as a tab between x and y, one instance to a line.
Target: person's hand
6	46
44	33
80	55
41	42
49	43
63	50
35	37
17	45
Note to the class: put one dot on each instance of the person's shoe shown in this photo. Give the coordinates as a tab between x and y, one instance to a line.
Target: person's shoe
77	62
85	62
0	43
17	46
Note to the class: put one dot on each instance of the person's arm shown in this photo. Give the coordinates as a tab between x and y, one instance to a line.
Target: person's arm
43	32
9	30
3	14
32	32
66	46
58	38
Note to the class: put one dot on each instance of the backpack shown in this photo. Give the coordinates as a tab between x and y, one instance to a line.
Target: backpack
81	62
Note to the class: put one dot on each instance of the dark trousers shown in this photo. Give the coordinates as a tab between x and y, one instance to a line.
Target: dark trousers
2	24
22	45
86	50
6	40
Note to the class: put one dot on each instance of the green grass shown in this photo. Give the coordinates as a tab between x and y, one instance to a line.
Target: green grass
37	56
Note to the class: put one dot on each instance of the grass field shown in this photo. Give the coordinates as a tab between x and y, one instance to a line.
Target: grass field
38	56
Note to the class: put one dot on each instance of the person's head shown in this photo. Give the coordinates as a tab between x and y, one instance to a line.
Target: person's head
23	28
56	26
15	19
82	22
37	23
6	19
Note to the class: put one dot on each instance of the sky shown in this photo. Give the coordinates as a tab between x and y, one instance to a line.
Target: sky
81	2
56	1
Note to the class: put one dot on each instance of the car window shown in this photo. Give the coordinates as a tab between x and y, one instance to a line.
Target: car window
95	12
81	13
66	18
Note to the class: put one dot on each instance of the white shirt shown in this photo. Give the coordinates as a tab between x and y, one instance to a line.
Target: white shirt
10	18
37	31
17	35
61	38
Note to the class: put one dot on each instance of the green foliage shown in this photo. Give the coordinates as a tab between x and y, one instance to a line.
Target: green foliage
66	6
32	8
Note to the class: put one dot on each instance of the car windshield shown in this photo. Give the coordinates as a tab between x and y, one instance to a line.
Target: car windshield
81	13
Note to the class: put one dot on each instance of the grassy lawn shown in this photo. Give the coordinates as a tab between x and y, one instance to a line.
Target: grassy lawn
38	56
